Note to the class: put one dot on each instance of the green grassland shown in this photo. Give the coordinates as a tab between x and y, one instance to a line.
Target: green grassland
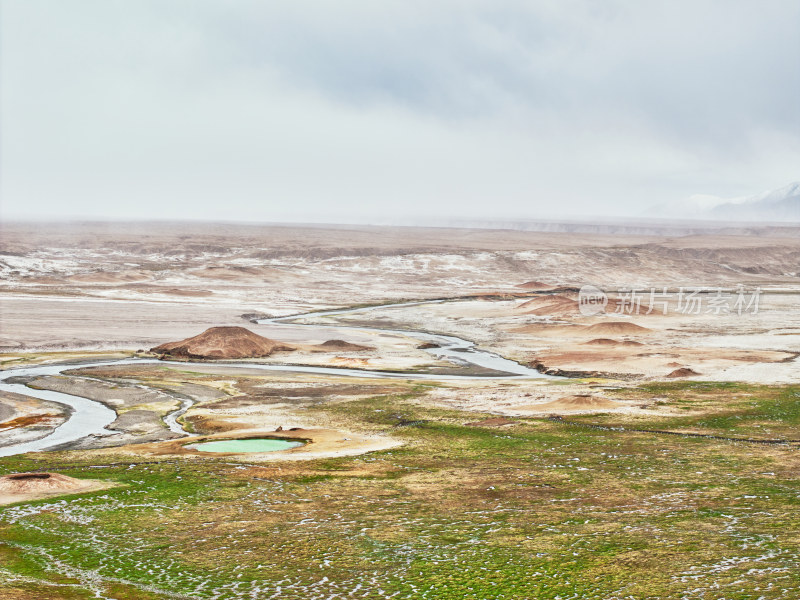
539	509
725	409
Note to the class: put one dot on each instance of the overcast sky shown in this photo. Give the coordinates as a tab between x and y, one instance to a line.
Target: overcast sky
371	110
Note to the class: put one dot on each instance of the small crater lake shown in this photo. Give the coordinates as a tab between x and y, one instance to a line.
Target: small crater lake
243	446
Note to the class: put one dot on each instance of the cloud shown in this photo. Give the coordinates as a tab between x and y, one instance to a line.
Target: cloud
360	110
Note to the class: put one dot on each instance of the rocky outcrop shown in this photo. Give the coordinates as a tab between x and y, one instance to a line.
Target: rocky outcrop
222	343
341	346
683	372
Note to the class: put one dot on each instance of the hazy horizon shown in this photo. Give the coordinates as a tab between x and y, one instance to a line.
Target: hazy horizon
395	112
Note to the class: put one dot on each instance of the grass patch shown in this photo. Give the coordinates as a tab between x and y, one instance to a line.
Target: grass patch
731	409
535	510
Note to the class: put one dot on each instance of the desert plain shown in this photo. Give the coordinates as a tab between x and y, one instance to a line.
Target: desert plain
469	427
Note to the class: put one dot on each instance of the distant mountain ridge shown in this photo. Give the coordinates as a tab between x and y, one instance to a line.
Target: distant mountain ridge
773	206
779	205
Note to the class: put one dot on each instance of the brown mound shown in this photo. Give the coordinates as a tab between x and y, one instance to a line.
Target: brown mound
492	422
616	327
534	285
601	342
683	372
19	487
559	306
544	300
610	342
604	329
342	346
577	402
223	342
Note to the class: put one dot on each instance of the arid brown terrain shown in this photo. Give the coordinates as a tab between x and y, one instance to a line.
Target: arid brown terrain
613	435
106	286
112	287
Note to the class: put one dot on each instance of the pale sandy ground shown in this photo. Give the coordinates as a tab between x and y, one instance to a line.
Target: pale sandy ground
321	443
12	491
761	348
522	399
25	419
131	285
106	325
111	287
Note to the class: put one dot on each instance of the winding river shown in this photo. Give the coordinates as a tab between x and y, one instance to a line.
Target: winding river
92	418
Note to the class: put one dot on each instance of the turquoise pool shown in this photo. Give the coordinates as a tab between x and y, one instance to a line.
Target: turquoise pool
252	445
